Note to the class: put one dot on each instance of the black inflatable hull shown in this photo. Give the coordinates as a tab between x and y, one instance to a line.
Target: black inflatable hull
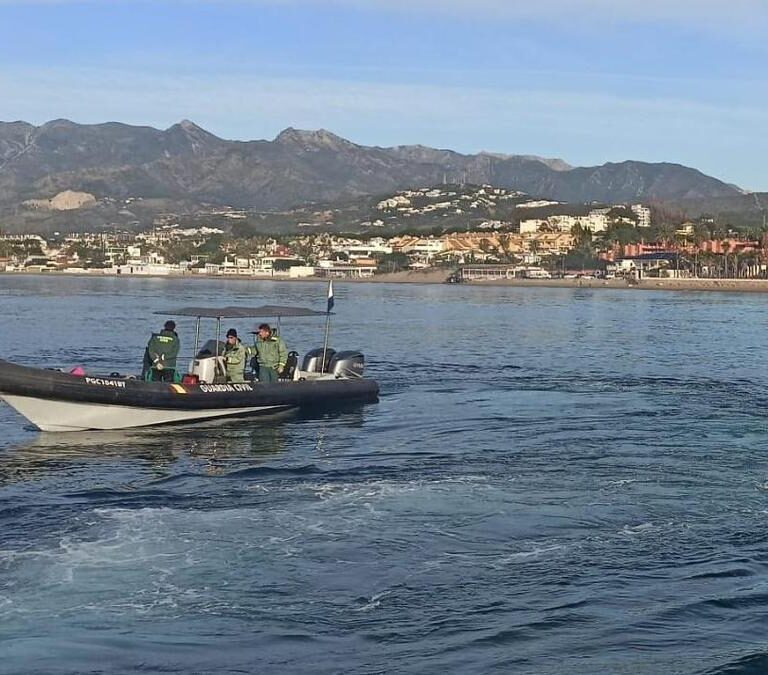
56	401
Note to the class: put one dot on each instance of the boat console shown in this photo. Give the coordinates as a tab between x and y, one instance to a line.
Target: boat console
206	365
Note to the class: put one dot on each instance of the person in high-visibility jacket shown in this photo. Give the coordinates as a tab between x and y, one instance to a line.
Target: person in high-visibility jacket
160	355
235	357
271	353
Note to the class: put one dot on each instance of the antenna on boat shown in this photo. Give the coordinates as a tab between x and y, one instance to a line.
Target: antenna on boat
327	322
197	337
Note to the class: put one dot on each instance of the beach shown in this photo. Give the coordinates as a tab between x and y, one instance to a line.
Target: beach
716	285
440	276
656	284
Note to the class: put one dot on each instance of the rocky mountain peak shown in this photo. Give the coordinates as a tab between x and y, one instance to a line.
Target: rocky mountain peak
191	129
61	122
554	163
321	138
188	136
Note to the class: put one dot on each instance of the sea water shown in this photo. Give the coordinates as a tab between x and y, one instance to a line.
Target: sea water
554	481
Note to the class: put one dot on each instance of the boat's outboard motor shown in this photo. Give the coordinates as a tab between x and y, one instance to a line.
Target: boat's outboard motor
347	364
313	360
204	363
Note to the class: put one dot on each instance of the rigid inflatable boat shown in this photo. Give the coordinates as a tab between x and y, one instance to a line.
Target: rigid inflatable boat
53	400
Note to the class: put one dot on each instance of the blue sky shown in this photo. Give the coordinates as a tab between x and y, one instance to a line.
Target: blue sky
589	81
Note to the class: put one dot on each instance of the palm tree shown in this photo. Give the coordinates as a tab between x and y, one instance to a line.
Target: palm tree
726	248
746	264
736	264
504	243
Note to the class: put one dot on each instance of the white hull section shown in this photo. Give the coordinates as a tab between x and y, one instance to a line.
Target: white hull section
48	415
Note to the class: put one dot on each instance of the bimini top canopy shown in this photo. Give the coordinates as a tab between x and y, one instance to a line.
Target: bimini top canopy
242	312
283	310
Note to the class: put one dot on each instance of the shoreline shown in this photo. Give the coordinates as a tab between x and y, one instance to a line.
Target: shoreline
440	277
680	285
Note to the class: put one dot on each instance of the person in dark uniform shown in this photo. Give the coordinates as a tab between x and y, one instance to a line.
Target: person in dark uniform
160	355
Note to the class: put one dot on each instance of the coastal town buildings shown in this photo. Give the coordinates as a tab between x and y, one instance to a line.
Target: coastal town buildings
328	255
489	241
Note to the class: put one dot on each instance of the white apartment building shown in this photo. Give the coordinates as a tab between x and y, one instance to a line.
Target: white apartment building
535	204
563	223
594	221
367	250
643	214
427	248
139	268
266	264
532	225
394	202
114	254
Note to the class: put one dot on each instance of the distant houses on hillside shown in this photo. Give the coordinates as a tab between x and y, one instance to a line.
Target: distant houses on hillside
544	243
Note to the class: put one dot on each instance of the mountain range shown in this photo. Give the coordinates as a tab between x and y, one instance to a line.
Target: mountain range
185	167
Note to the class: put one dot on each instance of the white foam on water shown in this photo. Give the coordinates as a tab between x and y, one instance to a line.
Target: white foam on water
494	558
9	556
354	491
380	496
124	561
536	552
642	528
165	563
373	602
348	507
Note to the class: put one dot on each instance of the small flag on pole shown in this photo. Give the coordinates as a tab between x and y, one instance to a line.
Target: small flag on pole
330	296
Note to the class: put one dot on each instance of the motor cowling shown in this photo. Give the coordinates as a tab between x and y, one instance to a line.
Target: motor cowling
313	360
347	364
